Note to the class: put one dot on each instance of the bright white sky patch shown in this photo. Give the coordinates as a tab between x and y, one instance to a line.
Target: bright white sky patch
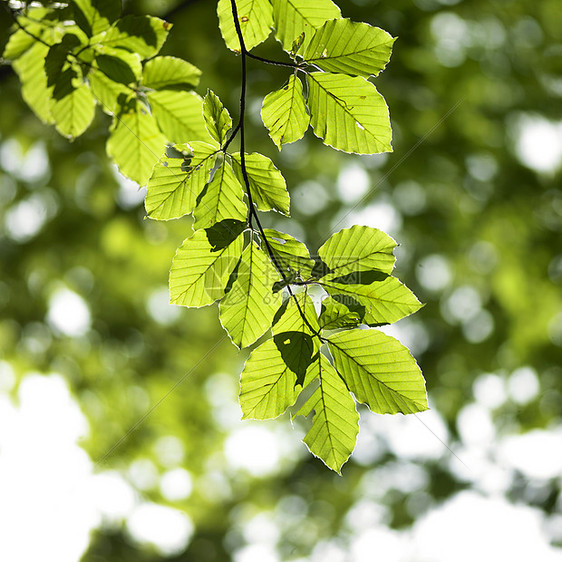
25	219
523	385
68	313
353	183
253	448
434	272
538	143
29	167
168	530
256	553
159	307
130	194
489	390
381	214
176	484
538	453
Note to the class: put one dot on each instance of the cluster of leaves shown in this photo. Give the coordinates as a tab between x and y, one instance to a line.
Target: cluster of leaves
317	317
73	57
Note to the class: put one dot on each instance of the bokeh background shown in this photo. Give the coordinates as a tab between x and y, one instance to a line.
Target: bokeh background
120	432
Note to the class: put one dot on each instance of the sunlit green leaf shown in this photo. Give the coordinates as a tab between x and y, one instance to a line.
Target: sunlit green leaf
217	118
379	371
177	180
249	307
292	17
95	16
385	301
350	47
335	424
267	185
73	109
256	20
284	113
292	255
267	385
359	248
290	319
223	198
179	115
118	65
348	113
199	272
167	72
144	35
31	71
135	143
335	315
106	91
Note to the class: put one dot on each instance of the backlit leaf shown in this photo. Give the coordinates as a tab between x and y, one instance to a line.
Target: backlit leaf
199	272
292	17
256	20
350	47
167	72
177	180
348	113
335	424
95	16
284	113
248	309
379	371
267	185
291	254
217	118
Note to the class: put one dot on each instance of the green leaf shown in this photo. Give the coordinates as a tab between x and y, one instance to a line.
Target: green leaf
379	371
217	118
106	91
385	301
179	115
169	72
256	20
135	143
177	180
348	113
284	113
35	91
223	198
144	35
335	424
249	307
335	315
358	248
350	47
118	65
200	273
292	255
95	16
292	17
73	109
267	385
20	41
289	318
267	185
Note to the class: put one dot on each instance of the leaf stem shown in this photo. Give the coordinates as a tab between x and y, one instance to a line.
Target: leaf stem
240	128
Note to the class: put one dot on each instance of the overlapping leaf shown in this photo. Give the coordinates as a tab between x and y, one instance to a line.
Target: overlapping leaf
144	35
334	315
335	424
200	271
223	198
95	16
255	18
267	185
357	249
284	113
348	113
169	72
384	302
179	115
248	309
177	180
291	254
350	47
217	118
293	17
267	385
379	371
134	143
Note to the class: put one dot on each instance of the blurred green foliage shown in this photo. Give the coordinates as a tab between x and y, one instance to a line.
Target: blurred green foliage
478	219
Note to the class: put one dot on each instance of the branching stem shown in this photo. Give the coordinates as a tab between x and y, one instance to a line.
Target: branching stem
240	128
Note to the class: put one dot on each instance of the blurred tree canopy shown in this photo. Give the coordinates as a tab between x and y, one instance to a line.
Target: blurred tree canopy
471	193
